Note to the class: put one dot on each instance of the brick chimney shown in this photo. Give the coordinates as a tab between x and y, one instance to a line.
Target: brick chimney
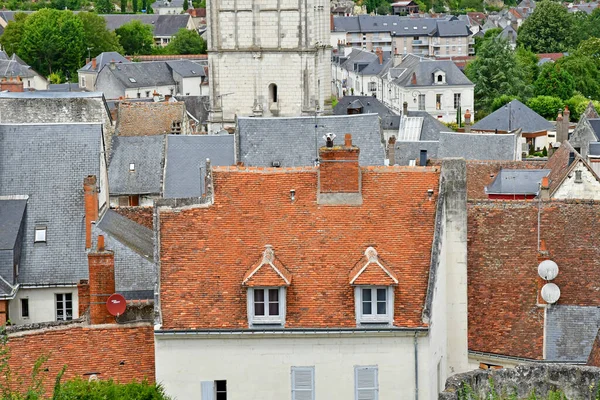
391	149
93	64
339	171
379	53
90	201
12	84
561	133
413	79
101	264
545	188
331	24
467	121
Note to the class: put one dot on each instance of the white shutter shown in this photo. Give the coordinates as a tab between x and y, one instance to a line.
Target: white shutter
208	390
366	383
303	383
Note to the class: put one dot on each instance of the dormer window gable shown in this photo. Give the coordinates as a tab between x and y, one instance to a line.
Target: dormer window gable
439	77
373	283
267	281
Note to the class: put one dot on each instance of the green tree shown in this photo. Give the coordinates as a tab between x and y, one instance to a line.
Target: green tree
487	36
134	6
186	5
589	48
136	38
549	29
104	7
123	6
186	42
476	5
495	73
546	106
581	27
144	6
554	81
527	63
501	101
66	4
585	73
13	33
384	8
96	36
593	26
53	41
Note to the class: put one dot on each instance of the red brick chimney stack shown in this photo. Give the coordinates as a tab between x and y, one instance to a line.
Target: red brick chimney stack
90	199
467	121
101	264
379	53
12	84
339	171
93	64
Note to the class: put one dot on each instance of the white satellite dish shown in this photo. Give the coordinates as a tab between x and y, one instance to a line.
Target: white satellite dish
550	293
548	270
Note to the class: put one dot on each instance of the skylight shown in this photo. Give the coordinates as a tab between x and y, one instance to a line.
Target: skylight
193	72
132	80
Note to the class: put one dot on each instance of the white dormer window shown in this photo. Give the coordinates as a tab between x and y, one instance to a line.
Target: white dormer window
374	304
266	305
131	167
132	80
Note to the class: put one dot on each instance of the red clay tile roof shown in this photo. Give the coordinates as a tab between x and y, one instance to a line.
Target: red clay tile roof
267	272
371	271
552	56
594	358
514	12
482	173
502	269
206	250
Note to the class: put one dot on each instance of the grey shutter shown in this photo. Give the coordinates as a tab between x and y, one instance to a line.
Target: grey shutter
303	383
208	390
366	383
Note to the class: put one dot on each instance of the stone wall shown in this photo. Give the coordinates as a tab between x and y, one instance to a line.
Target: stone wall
576	382
143	119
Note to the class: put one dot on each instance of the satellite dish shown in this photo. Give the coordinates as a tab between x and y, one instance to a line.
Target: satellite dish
116	304
548	270
550	293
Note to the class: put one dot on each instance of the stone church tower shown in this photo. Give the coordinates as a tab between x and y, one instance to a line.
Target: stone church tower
267	58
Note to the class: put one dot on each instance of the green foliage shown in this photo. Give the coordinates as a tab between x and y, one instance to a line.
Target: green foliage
123	6
55	78
186	5
527	63
585	72
136	38
134	6
96	36
145	6
65	4
53	41
384	8
495	73
544	152
593	27
577	105
334	101
546	106
13	33
186	42
501	101
554	81
104	7
475	5
590	48
108	390
549	29
487	36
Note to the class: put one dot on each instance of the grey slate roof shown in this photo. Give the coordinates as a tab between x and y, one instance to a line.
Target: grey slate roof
48	163
144	74
65	87
292	142
594	149
517	181
13	66
369	105
570	332
163	25
147	154
11	215
479	146
423	70
186	159
366	62
186	68
197	106
407	151
453	28
104	58
432	127
401	26
521	117
169	25
133	246
595	123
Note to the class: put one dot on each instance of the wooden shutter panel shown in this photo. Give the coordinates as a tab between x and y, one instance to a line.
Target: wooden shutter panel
366	383
208	390
303	383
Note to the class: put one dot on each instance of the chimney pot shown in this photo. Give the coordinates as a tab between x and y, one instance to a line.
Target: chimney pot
101	243
348	140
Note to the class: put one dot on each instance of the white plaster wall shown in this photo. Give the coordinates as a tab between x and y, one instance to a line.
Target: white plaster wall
337	36
42	304
38	83
90	80
258	367
588	189
191	86
163	90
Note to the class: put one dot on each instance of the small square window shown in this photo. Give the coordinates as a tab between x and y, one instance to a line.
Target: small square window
374	304
578	178
40	234
131	167
267	305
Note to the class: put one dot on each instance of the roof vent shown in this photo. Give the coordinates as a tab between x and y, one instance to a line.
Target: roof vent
276	164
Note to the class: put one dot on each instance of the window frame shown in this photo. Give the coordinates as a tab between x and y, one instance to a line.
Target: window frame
421	104
457	103
357	368
24	300
40	228
64	307
374	318
267	319
295	390
438	104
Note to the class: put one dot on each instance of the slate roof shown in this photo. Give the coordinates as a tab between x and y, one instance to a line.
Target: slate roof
431	128
292	141
521	117
401	26
473	146
594	149
186	160
570	332
186	68
172	3
367	61
162	25
65	87
595	123
11	215
590	111
517	181
197	106
104	58
456	28
13	66
64	155
369	105
147	155
146	74
482	173
133	235
423	70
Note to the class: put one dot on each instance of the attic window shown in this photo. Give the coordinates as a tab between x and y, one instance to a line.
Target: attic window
578	178
414	27
132	80
131	167
193	72
385	24
406	28
40	234
176	128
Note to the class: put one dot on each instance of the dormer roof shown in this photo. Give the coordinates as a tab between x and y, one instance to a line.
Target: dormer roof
370	270
269	271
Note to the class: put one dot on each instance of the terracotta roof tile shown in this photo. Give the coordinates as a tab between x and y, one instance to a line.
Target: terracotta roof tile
206	251
370	270
267	272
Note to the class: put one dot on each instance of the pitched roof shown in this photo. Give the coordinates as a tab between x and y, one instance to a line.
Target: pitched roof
521	117
595	124
187	68
14	66
455	28
11	215
64	155
560	167
292	141
502	273
370	270
594	358
146	153
419	72
570	333
162	25
104	58
269	271
186	160
476	146
196	106
321	245
517	181
131	234
369	105
366	62
138	75
590	111
482	173
149	118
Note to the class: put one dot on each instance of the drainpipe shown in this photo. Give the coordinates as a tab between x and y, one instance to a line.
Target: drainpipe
416	369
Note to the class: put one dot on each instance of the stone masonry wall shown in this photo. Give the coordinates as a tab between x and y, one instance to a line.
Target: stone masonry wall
576	382
143	119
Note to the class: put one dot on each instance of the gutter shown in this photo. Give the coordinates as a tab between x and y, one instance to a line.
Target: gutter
292	332
500	357
416	367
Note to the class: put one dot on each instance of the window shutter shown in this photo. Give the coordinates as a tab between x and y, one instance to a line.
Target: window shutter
366	383
208	390
303	383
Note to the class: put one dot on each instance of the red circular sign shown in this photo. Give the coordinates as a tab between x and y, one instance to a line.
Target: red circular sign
116	304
